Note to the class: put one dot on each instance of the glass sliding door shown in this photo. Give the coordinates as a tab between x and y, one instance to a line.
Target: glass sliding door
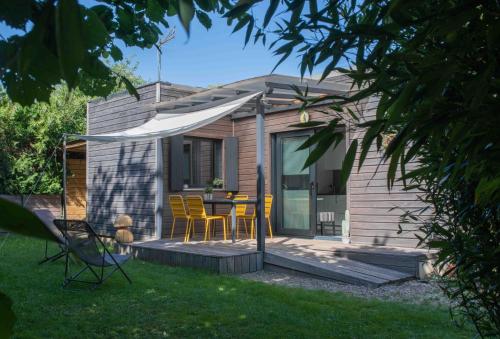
331	202
293	185
310	201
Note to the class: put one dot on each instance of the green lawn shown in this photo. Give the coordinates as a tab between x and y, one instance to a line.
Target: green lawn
176	302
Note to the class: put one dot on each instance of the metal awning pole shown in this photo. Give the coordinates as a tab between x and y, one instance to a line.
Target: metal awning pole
64	177
261	183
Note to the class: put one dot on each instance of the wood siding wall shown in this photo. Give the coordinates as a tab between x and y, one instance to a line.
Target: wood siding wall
369	201
121	175
375	211
76	198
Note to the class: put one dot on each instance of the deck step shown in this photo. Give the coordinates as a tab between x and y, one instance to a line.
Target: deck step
338	269
216	259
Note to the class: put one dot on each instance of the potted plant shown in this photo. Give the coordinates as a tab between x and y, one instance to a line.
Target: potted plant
208	192
217	183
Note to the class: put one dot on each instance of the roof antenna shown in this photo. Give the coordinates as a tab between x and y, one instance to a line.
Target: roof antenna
170	36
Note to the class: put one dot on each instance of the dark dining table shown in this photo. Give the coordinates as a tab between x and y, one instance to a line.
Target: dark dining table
233	203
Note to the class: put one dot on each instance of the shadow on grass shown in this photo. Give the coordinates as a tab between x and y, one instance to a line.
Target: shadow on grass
179	302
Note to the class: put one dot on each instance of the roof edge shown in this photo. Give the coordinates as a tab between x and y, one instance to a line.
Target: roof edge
187	88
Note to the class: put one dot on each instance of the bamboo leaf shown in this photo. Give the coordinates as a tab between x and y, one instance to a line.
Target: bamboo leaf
204	19
240	8
348	162
206	5
393	165
325	133
270	11
249	30
241	23
318	152
372	132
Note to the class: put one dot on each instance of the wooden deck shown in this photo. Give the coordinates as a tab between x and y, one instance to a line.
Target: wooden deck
354	264
219	259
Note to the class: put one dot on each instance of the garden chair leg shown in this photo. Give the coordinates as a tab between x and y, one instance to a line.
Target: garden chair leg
224	228
188	230
270	228
206	230
173	227
252	229
186	233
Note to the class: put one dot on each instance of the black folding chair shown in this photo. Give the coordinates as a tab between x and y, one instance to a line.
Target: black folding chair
84	242
47	218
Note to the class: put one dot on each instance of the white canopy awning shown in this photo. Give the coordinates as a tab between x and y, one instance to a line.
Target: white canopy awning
173	123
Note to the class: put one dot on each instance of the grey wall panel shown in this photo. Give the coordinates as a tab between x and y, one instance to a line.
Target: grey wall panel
375	210
121	175
231	164
175	161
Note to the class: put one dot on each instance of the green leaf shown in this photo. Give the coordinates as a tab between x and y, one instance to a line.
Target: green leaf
130	87
283	58
400	105
125	19
204	19
372	132
240	8
16	13
154	10
18	219
96	33
313	7
38	60
324	133
249	30
69	39
320	149
186	13
241	23
206	5
393	165
270	11
348	162
487	190
7	317
116	53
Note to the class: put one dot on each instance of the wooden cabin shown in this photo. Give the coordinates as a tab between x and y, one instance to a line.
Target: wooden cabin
136	178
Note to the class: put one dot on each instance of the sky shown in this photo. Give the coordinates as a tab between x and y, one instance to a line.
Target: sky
212	57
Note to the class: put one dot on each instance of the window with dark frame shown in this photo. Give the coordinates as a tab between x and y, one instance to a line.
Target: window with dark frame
202	160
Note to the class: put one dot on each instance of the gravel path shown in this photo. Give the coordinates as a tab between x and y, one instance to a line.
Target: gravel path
415	292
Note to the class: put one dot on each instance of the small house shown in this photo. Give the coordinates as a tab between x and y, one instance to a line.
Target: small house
137	177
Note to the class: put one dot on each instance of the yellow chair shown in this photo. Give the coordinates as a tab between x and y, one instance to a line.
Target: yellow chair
197	212
178	212
241	210
268	204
